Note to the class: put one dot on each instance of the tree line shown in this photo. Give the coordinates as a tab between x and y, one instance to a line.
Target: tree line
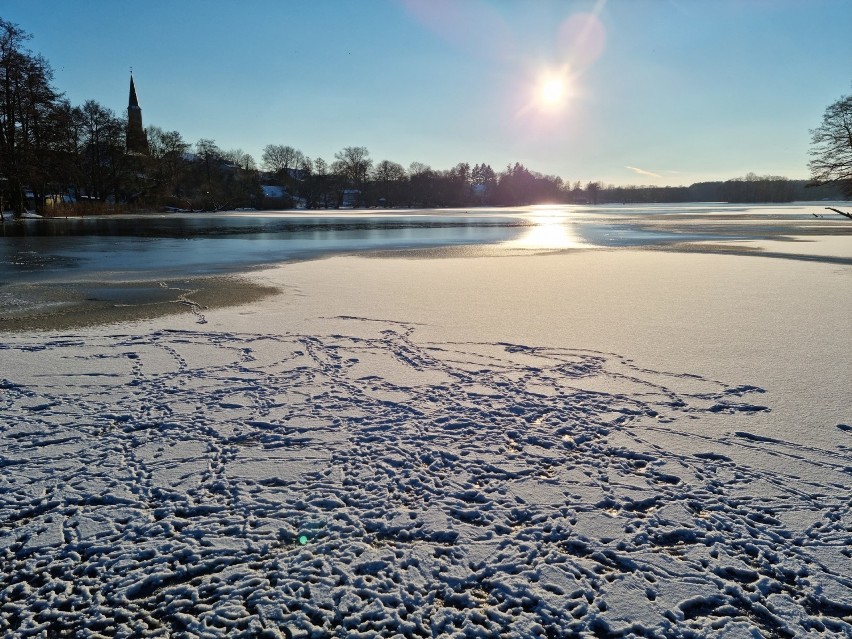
748	189
52	152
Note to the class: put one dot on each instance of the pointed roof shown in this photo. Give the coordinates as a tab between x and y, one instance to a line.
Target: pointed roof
134	102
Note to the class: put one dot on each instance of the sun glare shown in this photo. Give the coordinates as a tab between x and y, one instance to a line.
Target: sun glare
549	230
547	93
552	91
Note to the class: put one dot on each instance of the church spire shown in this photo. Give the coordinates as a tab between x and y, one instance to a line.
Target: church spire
134	101
137	141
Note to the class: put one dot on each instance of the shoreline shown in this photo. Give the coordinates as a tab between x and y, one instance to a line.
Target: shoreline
63	305
56	306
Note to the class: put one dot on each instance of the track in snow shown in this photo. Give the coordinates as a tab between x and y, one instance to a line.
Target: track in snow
214	484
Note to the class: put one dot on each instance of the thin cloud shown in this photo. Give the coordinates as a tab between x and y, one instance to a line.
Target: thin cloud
643	172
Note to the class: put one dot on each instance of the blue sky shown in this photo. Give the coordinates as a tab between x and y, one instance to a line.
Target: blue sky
653	91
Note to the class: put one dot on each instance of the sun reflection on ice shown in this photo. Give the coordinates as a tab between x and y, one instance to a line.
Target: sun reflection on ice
551	230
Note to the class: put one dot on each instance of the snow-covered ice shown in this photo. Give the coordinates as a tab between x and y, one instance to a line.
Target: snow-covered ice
220	483
304	468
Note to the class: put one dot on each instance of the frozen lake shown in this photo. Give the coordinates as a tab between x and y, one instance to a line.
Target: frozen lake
541	439
205	243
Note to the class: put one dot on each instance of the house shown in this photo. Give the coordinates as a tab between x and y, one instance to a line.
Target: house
275	196
351	198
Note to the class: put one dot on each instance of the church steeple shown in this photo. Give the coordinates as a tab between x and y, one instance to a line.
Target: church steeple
134	101
137	141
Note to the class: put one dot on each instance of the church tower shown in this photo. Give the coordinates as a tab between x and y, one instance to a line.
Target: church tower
137	141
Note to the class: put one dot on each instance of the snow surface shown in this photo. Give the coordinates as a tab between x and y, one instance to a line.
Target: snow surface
340	461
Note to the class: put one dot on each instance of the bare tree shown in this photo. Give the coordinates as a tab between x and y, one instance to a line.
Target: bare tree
320	181
69	148
353	164
320	167
27	103
209	154
389	176
593	190
831	146
103	144
421	179
247	162
233	156
168	159
274	157
279	159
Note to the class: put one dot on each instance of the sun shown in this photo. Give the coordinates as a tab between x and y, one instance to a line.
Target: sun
548	93
552	91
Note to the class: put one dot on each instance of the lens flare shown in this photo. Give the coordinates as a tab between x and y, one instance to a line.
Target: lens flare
582	39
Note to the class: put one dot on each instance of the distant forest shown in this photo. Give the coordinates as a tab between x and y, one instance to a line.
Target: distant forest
62	159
